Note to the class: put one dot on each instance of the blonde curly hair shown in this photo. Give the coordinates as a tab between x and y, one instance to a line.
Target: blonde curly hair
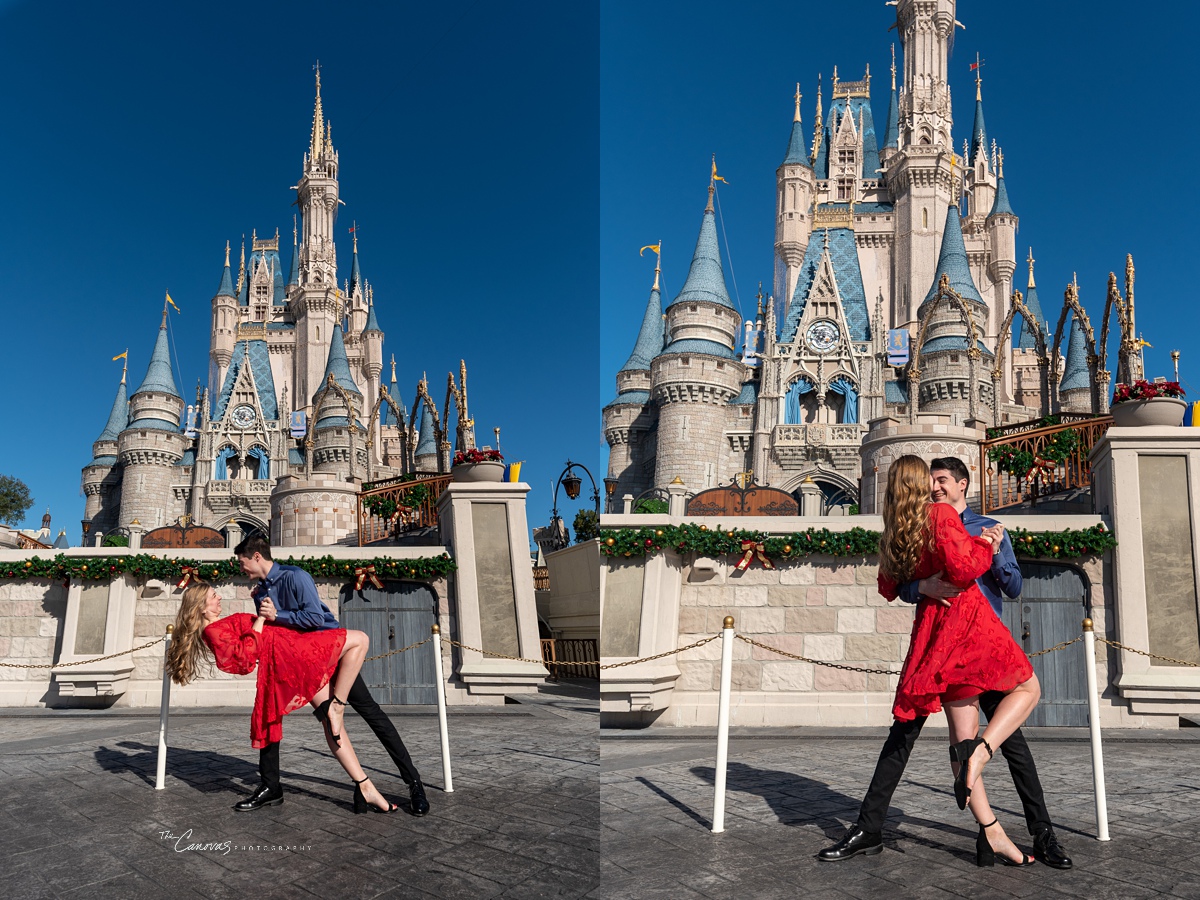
188	649
906	531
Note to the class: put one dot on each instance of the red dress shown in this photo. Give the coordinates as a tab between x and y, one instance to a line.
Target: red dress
292	666
961	650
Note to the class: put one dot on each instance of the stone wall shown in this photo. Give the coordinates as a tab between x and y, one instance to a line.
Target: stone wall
33	618
821	607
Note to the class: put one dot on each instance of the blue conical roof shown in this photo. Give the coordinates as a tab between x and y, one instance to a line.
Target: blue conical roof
294	269
979	142
426	444
338	366
372	322
796	152
650	337
891	131
386	415
226	288
118	418
158	376
1075	370
1024	335
1001	205
952	261
706	279
355	274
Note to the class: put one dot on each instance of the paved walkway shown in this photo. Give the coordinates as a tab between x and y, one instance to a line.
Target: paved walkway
791	792
81	818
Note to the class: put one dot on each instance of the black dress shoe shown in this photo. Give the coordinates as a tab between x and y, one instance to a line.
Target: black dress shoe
262	796
1047	849
855	842
418	803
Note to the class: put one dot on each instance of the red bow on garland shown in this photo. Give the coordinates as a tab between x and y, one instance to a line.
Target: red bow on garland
364	574
189	572
751	550
1041	468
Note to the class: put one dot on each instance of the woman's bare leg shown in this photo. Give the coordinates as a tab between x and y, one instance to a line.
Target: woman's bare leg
343	752
1010	715
349	665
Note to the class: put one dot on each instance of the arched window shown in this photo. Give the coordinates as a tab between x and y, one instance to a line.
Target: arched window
793	406
924	217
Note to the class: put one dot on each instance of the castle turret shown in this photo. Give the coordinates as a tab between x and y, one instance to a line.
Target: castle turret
1002	237
920	174
794	184
225	319
629	418
101	477
338	429
891	130
356	294
426	455
697	373
980	174
947	356
372	365
151	443
1027	368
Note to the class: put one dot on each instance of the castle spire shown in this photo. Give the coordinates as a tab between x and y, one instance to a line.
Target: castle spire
979	142
1031	283
242	268
1001	205
952	261
118	418
796	117
650	335
817	123
657	264
294	271
316	142
338	366
355	274
1023	337
226	287
706	279
891	132
159	377
796	153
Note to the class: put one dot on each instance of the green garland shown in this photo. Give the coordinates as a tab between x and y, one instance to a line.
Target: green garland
145	566
855	542
1020	462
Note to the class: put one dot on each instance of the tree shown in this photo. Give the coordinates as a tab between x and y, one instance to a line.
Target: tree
587	525
14	500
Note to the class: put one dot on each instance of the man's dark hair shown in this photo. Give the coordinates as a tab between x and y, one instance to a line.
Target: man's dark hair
951	464
255	543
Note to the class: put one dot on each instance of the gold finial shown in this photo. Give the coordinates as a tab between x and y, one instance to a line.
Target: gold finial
712	185
1000	161
1031	284
1088	625
978	67
170	629
135	522
816	144
728	623
677	480
227	254
354	231
125	365
435	629
893	67
835	81
657	264
393	367
796	118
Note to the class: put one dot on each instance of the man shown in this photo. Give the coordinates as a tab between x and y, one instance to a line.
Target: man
950	482
287	596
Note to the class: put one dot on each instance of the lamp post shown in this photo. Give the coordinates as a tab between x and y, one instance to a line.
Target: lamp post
571	483
610	488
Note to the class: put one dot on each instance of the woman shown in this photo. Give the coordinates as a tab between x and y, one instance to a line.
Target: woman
956	652
294	668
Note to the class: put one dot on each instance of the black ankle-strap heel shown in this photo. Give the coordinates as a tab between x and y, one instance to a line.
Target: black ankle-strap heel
960	753
360	801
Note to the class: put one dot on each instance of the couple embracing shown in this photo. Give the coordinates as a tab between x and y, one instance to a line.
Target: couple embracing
954	564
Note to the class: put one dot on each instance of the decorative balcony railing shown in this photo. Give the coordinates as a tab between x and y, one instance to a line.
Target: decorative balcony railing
1034	473
817	434
397	505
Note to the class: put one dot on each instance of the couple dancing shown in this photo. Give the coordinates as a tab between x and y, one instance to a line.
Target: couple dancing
954	563
302	657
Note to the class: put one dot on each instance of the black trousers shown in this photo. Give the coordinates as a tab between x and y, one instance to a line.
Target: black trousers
898	746
364	704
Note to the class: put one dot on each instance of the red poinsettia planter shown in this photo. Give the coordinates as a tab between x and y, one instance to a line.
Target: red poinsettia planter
1154	411
480	471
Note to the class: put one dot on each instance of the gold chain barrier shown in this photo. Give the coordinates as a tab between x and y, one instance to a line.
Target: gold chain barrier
401	650
80	662
1120	646
629	662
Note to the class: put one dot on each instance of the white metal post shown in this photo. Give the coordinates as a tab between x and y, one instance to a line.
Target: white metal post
1089	644
164	710
441	699
718	820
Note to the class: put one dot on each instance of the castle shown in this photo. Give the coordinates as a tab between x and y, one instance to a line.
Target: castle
296	416
894	332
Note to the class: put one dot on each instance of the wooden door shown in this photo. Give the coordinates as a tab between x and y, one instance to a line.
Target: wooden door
1051	610
400	614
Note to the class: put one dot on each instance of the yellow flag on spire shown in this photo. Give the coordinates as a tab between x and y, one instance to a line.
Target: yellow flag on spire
124	355
1142	342
172	302
654	247
715	176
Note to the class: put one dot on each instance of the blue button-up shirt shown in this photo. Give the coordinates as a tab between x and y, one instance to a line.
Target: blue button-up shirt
1004	575
294	594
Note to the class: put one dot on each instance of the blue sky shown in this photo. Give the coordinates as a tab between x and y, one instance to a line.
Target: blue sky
141	137
1087	100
